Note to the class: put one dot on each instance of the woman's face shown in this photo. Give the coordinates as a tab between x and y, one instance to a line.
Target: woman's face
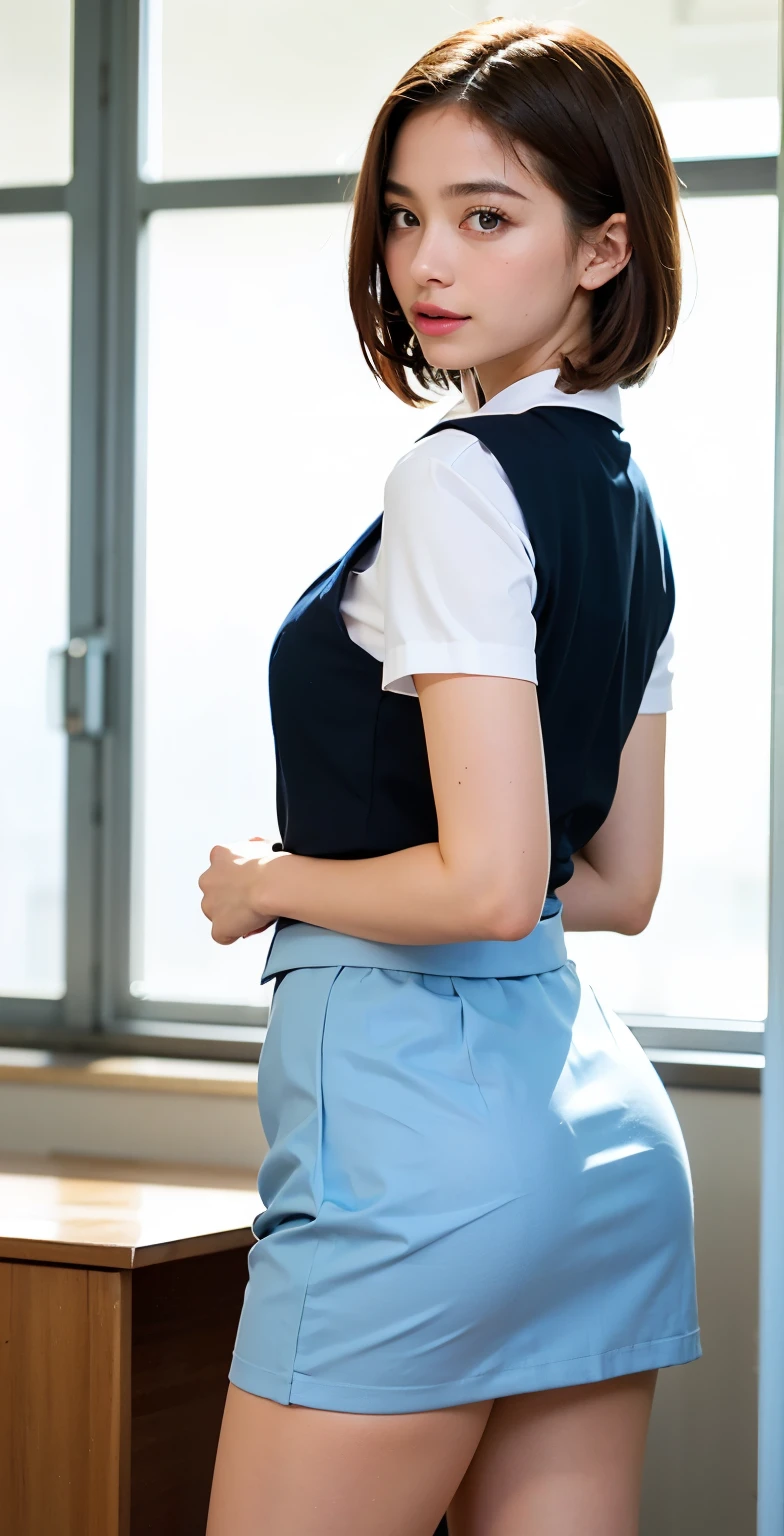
502	258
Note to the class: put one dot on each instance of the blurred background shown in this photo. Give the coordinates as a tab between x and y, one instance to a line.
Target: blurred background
175	211
249	121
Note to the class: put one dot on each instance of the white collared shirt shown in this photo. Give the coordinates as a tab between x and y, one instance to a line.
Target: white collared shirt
451	584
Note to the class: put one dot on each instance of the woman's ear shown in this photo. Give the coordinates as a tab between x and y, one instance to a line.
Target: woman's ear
607	251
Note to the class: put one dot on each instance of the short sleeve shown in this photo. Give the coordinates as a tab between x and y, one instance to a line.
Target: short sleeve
657	697
458	579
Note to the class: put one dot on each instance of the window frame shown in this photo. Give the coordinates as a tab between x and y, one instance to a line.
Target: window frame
110	204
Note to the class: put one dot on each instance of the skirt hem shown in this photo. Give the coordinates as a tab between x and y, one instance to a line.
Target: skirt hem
305	1391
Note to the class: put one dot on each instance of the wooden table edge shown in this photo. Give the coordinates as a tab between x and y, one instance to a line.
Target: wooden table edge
121	1256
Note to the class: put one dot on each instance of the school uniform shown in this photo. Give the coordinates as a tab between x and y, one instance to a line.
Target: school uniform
476	1183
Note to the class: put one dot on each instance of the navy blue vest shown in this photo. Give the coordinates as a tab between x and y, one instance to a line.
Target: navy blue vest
351	760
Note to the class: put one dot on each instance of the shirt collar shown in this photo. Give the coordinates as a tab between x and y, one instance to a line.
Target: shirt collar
539	389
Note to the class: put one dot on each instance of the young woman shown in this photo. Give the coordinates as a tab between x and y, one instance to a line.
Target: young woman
476	1248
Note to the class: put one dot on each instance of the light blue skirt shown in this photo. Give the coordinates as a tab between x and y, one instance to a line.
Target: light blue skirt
476	1182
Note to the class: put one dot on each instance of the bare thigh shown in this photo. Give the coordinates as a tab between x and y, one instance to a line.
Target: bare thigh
563	1462
285	1470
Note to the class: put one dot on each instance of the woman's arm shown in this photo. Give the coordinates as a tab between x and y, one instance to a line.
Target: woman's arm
486	877
618	873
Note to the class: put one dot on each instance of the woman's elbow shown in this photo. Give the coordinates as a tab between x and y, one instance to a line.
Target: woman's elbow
508	917
497	901
636	913
512	927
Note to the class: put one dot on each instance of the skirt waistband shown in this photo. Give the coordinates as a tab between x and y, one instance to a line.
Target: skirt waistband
303	944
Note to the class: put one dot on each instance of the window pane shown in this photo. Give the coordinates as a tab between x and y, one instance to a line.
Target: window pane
709	66
252	354
240	519
35	92
252	351
702	431
35	261
237	89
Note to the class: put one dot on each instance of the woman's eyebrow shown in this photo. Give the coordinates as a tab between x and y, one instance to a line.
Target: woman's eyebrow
460	189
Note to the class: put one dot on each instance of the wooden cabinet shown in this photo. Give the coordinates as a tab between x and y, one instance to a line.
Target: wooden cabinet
120	1292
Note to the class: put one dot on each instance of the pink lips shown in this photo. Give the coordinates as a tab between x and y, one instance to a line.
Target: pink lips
438	325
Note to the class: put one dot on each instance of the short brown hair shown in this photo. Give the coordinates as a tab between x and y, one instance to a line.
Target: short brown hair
595	140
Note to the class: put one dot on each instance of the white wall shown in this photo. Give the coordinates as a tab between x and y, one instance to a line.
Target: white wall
701	1466
123	1122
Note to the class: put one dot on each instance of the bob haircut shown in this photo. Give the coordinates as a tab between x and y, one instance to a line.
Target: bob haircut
593	137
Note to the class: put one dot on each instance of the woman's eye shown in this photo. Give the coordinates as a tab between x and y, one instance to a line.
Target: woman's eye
482	213
488	213
389	214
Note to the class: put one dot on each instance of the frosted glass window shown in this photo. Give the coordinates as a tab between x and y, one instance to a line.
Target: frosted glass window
709	66
35	92
702	429
252	350
268	447
35	262
236	88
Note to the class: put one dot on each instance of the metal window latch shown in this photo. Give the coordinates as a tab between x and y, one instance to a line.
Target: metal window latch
78	686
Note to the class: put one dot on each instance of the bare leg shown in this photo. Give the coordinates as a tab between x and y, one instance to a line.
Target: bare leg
284	1470
564	1462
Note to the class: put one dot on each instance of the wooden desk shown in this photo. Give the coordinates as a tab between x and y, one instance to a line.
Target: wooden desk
120	1291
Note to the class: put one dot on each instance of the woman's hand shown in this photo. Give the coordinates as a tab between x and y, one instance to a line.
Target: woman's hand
233	886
